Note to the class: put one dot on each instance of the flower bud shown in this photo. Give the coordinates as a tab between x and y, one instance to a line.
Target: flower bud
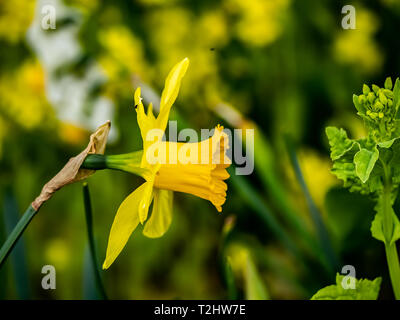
366	89
382	97
371	97
375	88
388	83
388	93
378	105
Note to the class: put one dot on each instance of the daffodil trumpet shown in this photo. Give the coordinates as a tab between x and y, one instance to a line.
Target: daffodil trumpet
166	166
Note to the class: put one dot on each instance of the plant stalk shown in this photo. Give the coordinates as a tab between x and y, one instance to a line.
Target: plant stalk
388	227
394	268
92	245
16	234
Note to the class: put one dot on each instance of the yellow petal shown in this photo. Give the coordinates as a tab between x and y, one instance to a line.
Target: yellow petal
145	123
125	221
138	98
161	215
150	112
170	92
144	203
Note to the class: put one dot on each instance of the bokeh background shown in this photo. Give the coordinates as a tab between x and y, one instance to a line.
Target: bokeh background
283	67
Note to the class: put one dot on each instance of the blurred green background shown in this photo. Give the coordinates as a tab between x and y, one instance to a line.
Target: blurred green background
283	67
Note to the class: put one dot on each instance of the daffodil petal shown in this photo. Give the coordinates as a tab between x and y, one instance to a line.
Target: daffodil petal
138	99
145	123
150	114
144	203
125	222
161	215
170	92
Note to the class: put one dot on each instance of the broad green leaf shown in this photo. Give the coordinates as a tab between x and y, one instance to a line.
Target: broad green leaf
339	142
364	290
364	161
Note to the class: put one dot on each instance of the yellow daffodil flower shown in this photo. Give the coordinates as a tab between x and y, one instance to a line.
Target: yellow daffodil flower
201	172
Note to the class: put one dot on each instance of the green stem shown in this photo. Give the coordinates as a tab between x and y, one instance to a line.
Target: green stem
394	268
128	162
388	227
92	246
16	234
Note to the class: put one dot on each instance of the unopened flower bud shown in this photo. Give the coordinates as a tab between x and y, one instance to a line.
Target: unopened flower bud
388	83
382	97
375	88
388	93
371	97
378	105
366	89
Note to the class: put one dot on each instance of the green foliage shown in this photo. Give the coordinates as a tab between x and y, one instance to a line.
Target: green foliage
339	142
356	161
364	290
364	161
371	165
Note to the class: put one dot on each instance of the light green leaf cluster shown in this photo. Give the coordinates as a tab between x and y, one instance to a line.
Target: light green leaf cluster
364	290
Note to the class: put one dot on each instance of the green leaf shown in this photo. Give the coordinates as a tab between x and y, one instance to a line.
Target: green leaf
364	161
344	169
377	228
364	290
339	142
387	144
